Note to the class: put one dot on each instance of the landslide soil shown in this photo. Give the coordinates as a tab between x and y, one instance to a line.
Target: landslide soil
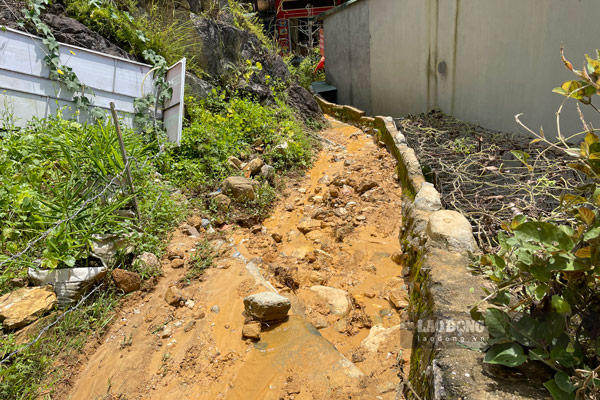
157	351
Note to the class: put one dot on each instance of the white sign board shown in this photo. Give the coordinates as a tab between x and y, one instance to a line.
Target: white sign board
25	86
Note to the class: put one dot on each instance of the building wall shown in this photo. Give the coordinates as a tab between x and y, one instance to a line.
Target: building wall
499	58
347	44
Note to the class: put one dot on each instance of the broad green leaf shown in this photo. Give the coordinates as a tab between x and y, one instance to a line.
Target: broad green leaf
563	381
592	234
556	392
547	234
496	322
509	354
523	157
523	331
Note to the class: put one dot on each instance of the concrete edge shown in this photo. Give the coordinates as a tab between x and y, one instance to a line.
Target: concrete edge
441	288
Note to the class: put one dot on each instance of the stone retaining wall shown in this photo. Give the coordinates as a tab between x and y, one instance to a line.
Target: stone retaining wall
438	244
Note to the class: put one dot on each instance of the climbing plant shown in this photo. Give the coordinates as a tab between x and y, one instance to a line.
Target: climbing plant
59	71
546	302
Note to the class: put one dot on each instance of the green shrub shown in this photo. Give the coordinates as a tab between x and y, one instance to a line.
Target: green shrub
546	303
61	173
221	127
304	73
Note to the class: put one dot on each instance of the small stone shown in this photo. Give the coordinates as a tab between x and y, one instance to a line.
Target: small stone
189	326
148	261
308	224
267	172
358	356
277	237
176	253
222	202
398	298
256	229
320	322
348	163
190	231
234	162
267	306
253	167
215	309
177	263
365	185
126	281
397	257
252	330
190	304
166	332
173	296
289	207
200	314
334	192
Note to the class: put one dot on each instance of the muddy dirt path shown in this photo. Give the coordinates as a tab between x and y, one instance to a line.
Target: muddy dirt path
328	247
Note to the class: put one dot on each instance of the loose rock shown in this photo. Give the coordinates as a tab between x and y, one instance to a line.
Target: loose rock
267	172
189	326
308	224
173	296
267	306
234	162
177	263
215	309
222	202
252	330
240	188
365	185
254	167
23	306
397	257
127	281
398	298
337	299
277	237
148	261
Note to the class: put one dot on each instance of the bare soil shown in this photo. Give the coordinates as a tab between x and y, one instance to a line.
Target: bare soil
157	351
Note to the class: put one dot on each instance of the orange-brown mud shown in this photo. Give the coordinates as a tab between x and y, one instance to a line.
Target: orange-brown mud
157	351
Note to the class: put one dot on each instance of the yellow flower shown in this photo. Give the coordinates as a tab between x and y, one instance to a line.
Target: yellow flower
72	52
60	71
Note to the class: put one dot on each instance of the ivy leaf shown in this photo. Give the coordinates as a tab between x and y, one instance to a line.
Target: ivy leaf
509	354
523	157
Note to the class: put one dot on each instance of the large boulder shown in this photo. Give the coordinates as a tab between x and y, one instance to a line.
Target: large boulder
267	307
69	283
239	188
25	305
339	303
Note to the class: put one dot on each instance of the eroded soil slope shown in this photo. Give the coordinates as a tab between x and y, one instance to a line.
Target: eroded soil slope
335	229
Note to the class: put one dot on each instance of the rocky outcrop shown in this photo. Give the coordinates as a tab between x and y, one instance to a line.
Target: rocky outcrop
25	305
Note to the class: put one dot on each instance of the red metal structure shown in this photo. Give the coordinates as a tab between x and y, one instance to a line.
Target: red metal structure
295	19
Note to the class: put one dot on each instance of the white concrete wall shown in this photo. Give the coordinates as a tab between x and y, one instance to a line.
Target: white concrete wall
349	45
502	58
